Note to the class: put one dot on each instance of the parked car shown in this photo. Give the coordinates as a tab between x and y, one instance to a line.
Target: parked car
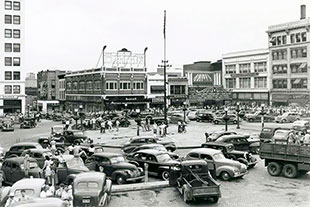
97	148
257	117
192	115
232	119
241	142
17	149
176	117
28	123
141	140
74	136
7	125
57	131
157	119
205	117
158	162
57	117
91	189
123	121
159	147
268	132
225	168
193	180
281	136
229	152
13	169
287	117
115	166
215	135
301	125
32	186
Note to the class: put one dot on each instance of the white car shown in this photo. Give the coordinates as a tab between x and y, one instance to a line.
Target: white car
301	125
192	115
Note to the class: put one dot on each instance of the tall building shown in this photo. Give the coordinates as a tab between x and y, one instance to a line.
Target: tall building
289	61
31	90
245	73
12	79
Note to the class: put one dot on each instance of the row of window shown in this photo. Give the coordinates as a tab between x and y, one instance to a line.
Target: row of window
9	61
294	38
259	82
177	89
11	47
9	19
8	89
9	5
299	52
9	75
259	67
9	33
110	85
295	68
295	83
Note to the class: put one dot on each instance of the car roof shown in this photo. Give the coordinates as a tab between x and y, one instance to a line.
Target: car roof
26	143
141	137
232	136
18	159
38	150
218	144
151	151
151	145
90	176
28	183
39	202
205	151
193	162
107	154
59	126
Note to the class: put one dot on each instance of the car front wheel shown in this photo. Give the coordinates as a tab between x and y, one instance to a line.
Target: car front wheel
225	176
120	179
165	175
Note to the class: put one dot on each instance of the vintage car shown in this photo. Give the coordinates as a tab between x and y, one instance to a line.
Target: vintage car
57	117
192	115
28	122
39	202
67	167
268	132
141	140
232	119
215	135
74	136
97	148
301	125
123	121
241	142
225	168
281	136
229	152
91	189
13	169
159	147
115	166
287	117
193	180
205	117
18	148
38	154
176	117
257	117
158	162
157	119
57	131
7	125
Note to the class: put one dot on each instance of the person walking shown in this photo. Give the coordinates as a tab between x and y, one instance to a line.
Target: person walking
48	169
110	125
102	126
155	128
306	140
179	127
117	123
27	165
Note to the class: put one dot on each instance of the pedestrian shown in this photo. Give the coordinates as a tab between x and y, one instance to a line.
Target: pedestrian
117	124
53	146
162	129
91	150
306	140
70	149
102	126
94	123
183	127
24	196
110	125
207	136
179	127
27	165
48	169
155	128
67	124
66	197
148	123
59	191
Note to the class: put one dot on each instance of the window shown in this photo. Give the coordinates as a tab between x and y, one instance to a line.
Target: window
68	86
16	61
278	40
111	85
279	69
16	75
298	37
8	33
16	89
81	86
230	82
7	89
138	85
8	5
16	5
177	89
298	68
300	52
89	85
97	85
260	67
16	47
245	82
260	82
303	36
279	83
16	33
279	55
8	19
230	69
299	83
124	85
8	75
74	86
16	19
8	61
245	68
8	47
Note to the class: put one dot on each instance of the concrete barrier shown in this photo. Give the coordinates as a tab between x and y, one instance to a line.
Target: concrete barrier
139	186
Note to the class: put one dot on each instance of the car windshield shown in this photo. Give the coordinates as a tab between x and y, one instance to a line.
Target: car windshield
87	186
218	156
29	192
75	163
118	159
163	157
78	133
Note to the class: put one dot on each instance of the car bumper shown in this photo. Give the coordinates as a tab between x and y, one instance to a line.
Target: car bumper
239	174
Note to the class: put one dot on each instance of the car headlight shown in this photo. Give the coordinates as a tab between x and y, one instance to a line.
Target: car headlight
140	169
129	172
236	170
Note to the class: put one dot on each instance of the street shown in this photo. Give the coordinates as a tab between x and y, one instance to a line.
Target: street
257	188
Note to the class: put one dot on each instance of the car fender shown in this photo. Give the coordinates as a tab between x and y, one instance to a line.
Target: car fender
228	169
70	178
163	168
118	172
134	163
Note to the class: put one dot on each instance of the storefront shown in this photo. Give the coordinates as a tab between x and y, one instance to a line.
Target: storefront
290	97
251	98
12	106
126	102
211	96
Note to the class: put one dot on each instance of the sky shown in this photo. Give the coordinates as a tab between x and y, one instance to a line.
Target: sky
70	34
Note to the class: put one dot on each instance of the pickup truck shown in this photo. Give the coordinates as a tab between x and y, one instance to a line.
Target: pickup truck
289	159
193	181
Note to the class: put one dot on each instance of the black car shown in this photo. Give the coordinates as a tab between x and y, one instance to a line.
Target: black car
74	136
28	123
158	162
123	122
17	149
241	142
159	147
115	166
229	152
141	140
205	117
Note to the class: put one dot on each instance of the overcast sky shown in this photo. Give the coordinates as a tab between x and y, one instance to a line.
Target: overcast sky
69	34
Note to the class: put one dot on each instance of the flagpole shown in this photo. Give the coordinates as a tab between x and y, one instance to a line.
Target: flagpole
165	61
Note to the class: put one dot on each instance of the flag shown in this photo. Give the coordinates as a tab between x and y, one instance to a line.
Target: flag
165	24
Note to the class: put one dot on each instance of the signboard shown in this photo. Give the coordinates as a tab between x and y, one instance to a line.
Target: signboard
123	59
205	79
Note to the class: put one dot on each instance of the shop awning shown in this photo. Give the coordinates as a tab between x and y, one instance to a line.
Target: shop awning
297	81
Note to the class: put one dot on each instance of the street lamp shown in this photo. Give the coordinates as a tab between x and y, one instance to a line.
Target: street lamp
263	113
238	115
184	109
81	114
226	118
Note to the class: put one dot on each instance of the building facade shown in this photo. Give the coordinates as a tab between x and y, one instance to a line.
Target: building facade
120	83
245	73
12	78
289	61
177	91
31	90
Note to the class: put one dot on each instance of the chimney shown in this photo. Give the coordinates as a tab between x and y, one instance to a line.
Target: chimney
303	11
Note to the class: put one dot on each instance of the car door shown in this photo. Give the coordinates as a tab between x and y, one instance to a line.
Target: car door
105	166
209	160
39	157
7	170
62	171
91	163
17	172
139	158
236	143
153	164
243	144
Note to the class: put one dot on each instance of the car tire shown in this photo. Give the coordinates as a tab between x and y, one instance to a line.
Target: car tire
120	179
251	120
290	171
216	122
225	176
169	149
274	168
165	175
234	122
283	121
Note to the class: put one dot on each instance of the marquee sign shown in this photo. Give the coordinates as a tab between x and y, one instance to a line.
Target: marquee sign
203	79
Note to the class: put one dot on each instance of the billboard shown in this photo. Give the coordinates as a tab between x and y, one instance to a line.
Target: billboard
203	79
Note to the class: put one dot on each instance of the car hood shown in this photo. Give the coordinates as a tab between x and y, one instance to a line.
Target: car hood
229	162
125	166
165	142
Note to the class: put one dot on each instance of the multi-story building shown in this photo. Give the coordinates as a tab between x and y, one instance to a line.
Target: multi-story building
245	73
120	83
177	91
31	90
61	93
12	79
289	61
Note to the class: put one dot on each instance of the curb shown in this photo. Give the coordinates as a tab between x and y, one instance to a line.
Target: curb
139	186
